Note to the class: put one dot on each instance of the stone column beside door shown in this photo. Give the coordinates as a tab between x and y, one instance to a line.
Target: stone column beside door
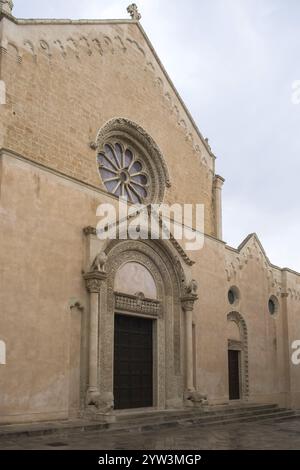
188	307
94	401
191	395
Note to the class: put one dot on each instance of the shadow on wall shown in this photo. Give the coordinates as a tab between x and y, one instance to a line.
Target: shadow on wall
2	353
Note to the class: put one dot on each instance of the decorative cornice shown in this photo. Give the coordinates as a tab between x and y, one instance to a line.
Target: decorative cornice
252	249
294	294
180	99
284	295
138	303
93	231
160	75
235	345
181	251
66	21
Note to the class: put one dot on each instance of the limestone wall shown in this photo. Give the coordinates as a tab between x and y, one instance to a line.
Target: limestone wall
66	80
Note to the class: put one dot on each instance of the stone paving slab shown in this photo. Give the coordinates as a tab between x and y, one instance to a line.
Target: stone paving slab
274	436
45	427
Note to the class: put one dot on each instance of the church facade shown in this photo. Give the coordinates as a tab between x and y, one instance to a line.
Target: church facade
90	326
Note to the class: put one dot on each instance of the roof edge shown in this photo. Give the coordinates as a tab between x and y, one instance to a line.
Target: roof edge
196	128
37	21
255	236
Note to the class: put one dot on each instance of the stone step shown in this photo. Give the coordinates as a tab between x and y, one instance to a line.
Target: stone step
150	423
202	417
281	413
186	414
295	415
192	412
200	421
284	415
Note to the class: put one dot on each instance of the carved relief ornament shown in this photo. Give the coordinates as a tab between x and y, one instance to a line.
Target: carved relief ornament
94	280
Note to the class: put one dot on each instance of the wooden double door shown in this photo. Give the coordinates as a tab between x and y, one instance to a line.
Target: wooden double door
133	362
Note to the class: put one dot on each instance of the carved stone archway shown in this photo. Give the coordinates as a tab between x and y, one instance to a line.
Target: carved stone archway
241	346
172	307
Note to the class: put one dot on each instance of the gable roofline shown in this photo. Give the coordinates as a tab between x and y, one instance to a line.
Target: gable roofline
196	128
40	21
254	236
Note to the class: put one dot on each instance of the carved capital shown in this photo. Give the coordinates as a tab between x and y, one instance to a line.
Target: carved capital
218	182
93	281
188	301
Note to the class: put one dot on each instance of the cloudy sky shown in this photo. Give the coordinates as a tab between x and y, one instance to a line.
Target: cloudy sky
234	63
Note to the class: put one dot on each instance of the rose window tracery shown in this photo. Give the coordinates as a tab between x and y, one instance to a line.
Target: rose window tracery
123	172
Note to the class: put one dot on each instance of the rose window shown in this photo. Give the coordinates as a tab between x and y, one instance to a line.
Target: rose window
123	173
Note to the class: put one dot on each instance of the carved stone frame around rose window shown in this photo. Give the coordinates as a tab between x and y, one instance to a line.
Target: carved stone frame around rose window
128	133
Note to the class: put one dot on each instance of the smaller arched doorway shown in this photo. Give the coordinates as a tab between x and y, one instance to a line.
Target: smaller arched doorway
237	341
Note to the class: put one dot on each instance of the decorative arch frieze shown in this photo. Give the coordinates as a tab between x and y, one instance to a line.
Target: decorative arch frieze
251	251
82	47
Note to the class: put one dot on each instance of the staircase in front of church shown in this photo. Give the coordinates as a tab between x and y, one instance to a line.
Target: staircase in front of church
214	415
144	420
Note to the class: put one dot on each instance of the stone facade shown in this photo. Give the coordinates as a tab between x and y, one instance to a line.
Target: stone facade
66	83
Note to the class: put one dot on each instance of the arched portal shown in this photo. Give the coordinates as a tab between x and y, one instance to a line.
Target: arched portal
238	383
139	299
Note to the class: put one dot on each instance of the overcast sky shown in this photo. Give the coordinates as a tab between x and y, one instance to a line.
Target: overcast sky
234	63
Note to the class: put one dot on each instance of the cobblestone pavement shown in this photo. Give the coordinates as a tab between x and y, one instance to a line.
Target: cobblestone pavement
273	436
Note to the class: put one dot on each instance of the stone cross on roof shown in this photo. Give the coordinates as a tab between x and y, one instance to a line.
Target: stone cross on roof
134	12
6	6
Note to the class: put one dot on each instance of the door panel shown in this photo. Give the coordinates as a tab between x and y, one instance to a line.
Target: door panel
234	375
133	362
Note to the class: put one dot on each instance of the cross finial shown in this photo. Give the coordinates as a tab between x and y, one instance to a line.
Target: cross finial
134	12
6	6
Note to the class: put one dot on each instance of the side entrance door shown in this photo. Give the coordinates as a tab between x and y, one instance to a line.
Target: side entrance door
234	374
